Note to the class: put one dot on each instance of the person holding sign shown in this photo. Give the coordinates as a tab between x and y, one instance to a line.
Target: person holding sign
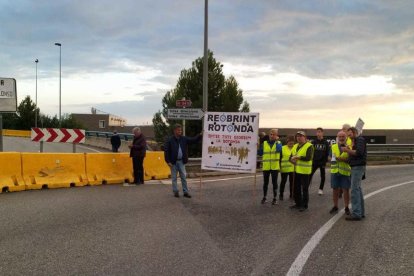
270	152
176	156
301	157
357	161
340	172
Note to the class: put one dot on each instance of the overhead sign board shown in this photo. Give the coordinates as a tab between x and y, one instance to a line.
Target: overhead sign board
8	96
183	103
185	113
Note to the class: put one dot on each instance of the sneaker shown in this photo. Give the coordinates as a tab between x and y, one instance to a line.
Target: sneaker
303	209
320	192
263	200
187	195
294	207
274	201
347	212
176	194
334	210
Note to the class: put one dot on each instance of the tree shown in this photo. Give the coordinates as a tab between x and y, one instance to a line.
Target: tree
223	95
26	114
24	119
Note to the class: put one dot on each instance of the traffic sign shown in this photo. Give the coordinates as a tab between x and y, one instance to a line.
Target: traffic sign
8	97
185	113
60	135
183	103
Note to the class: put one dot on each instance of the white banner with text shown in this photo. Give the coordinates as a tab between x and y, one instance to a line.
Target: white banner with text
230	141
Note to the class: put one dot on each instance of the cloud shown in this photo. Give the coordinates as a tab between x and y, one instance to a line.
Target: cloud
295	54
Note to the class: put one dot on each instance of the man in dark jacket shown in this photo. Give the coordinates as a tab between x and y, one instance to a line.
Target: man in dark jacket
115	141
176	156
320	157
138	150
357	161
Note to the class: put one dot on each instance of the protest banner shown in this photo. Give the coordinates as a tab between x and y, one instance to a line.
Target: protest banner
230	141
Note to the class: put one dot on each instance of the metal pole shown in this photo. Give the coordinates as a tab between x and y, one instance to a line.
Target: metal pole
184	121
60	83
36	61
205	65
1	132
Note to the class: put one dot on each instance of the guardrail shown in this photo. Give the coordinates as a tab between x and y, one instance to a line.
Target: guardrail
378	150
124	136
391	150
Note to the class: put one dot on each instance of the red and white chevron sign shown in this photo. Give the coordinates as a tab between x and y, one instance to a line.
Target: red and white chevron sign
59	135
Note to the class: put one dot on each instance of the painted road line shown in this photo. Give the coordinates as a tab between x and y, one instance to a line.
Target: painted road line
302	258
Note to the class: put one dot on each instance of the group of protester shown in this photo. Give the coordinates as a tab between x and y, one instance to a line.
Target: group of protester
298	159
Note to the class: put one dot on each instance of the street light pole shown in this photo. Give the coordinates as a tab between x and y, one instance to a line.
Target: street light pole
60	82
36	61
205	65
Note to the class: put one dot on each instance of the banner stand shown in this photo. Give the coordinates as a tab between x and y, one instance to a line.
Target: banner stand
201	186
254	187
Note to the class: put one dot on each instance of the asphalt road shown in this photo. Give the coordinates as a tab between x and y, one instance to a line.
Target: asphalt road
26	145
222	230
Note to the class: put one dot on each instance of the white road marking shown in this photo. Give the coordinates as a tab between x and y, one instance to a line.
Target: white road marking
222	179
302	258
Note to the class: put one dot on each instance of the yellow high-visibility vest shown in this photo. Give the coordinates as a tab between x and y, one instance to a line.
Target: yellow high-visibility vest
270	158
285	165
340	166
302	167
349	141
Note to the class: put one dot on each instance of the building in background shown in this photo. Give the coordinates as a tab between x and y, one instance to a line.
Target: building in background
105	122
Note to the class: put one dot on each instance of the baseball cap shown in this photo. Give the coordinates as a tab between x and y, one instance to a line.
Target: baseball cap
300	132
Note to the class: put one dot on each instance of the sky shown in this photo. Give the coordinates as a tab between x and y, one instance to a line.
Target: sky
300	64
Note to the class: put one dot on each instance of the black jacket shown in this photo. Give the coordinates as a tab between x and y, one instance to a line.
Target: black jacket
321	151
139	147
360	159
116	140
171	147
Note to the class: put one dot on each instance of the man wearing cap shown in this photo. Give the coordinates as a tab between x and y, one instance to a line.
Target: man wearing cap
302	156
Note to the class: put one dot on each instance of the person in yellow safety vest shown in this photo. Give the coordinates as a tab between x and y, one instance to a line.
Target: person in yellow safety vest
340	172
270	152
345	128
301	157
286	168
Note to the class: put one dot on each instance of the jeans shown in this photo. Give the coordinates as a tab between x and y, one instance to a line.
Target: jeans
180	167
266	175
357	198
